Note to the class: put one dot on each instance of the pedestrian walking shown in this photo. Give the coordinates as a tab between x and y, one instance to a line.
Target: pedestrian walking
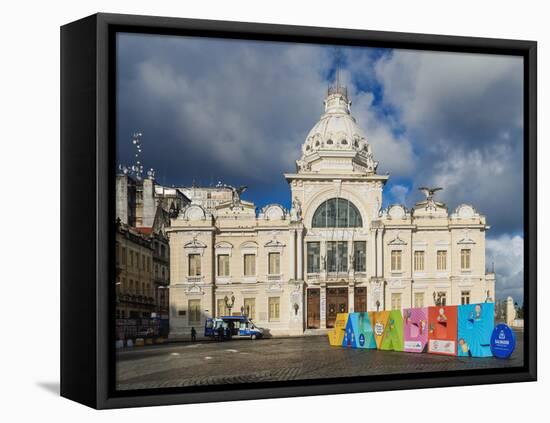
193	334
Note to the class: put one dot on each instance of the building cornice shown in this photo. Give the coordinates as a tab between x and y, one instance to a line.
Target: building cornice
332	176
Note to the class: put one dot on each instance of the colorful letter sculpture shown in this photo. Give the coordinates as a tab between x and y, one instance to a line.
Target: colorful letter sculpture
475	327
388	330
379	322
393	335
442	330
336	335
359	333
415	330
464	330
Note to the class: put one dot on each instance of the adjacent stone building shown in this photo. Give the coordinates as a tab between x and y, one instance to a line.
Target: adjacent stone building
143	211
336	250
135	296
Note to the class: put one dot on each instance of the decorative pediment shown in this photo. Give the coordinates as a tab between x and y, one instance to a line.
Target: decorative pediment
466	238
274	243
275	287
396	283
223	248
194	289
397	241
249	247
194	244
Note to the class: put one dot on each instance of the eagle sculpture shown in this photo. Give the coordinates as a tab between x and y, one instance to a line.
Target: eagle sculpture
429	192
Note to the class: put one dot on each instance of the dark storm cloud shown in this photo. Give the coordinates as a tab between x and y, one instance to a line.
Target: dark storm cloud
464	114
203	118
235	111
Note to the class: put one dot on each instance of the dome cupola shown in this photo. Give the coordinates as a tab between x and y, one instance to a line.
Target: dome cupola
336	143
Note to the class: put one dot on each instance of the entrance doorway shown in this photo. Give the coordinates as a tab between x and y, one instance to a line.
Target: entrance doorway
313	308
337	302
360	299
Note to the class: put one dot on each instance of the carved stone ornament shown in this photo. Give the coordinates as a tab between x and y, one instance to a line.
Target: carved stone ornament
466	238
296	210
397	241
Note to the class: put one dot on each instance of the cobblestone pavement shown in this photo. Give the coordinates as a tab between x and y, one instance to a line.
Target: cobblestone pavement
277	359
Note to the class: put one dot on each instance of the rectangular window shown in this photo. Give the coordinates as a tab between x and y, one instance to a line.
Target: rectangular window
342	256
274	263
337	256
313	257
123	255
194	264
222	309
194	311
131	258
274	309
250	308
465	297
396	261
419	261
442	260
249	264
223	265
360	256
396	301
465	259
419	299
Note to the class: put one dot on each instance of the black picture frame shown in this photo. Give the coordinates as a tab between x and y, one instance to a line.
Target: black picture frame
88	70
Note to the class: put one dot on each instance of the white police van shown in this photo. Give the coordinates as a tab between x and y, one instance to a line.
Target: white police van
228	327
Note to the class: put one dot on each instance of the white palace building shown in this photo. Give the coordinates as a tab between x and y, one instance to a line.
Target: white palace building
335	251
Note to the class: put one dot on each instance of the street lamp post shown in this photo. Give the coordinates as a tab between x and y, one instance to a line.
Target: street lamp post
229	304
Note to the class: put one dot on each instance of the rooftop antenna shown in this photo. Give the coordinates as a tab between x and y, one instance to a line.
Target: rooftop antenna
137	168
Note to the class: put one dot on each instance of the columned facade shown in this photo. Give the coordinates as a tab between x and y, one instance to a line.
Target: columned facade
336	250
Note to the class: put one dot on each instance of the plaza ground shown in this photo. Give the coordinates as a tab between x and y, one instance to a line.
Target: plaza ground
277	359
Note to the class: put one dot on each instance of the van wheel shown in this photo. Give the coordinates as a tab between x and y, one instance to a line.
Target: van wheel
253	337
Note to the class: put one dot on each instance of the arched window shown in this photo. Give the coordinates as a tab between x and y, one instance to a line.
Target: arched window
337	213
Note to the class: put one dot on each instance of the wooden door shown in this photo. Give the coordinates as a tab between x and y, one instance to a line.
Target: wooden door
313	308
337	302
360	300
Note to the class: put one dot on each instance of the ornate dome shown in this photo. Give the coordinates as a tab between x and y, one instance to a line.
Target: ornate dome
337	135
